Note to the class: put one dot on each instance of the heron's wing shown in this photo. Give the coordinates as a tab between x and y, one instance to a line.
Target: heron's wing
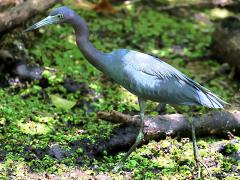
157	68
153	66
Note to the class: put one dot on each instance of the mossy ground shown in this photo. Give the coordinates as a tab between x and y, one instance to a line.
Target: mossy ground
29	126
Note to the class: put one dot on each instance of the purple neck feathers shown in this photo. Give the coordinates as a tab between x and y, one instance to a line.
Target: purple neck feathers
95	57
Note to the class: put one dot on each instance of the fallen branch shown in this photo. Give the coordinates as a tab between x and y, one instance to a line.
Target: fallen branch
216	123
18	14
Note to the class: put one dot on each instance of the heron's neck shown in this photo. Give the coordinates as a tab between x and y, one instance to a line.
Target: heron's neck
95	57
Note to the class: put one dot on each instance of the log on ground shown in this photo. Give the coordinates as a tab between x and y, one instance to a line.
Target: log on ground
216	123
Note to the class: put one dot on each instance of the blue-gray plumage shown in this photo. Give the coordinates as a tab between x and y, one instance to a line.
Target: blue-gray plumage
150	78
147	77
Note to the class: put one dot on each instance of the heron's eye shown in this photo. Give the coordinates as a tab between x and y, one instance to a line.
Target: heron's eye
60	16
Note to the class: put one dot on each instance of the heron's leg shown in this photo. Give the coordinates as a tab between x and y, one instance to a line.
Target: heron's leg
195	150
142	105
194	141
195	153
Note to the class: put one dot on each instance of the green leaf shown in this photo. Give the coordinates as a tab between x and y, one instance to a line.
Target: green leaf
62	103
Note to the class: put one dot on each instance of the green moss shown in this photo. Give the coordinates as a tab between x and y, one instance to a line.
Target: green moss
232	147
227	164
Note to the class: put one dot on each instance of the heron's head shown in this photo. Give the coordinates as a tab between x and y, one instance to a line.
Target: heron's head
58	15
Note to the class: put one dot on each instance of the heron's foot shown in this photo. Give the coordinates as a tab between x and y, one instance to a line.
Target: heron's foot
134	146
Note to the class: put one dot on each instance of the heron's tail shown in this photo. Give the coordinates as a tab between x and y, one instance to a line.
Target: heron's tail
210	100
205	97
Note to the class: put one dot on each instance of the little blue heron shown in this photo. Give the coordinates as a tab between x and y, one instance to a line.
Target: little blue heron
148	77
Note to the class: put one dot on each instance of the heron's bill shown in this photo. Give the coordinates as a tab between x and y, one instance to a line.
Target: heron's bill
46	21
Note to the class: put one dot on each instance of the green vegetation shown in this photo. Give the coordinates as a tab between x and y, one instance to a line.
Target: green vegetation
31	119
